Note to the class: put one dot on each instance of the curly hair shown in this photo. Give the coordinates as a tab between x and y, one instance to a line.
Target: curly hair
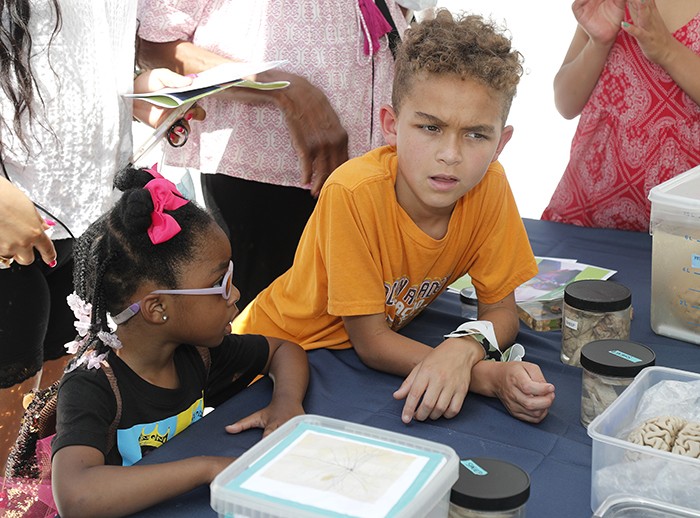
467	46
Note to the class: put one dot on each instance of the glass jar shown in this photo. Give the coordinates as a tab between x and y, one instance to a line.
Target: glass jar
593	310
609	366
489	488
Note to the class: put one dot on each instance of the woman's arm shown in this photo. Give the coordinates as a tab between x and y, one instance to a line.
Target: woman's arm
318	137
660	47
598	25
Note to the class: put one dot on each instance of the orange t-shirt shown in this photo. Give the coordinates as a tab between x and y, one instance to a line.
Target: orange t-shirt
361	254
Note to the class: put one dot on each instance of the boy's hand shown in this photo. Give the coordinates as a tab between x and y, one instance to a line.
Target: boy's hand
441	381
521	387
269	418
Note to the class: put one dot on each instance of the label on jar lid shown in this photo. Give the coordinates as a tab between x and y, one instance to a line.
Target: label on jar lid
474	468
625	356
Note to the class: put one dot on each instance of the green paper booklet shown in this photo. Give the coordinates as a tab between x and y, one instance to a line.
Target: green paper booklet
211	81
539	300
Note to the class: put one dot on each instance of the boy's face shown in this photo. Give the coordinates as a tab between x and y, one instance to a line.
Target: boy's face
447	133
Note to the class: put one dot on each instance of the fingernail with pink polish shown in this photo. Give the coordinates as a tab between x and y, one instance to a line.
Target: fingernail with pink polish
53	264
188	117
191	75
50	222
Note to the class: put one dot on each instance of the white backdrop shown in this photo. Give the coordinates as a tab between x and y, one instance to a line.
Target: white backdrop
537	155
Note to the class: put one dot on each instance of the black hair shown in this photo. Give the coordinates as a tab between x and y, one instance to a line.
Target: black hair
16	76
115	255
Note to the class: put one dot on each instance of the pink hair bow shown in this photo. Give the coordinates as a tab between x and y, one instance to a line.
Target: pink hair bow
375	25
154	171
165	196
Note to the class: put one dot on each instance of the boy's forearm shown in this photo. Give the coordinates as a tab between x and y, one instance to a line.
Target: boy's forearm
381	348
506	324
289	369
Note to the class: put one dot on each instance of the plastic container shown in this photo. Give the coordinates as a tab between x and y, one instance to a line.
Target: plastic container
489	488
675	258
315	466
609	366
637	507
619	466
593	310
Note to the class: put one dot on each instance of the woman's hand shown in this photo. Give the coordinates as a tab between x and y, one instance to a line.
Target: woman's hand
153	80
600	19
22	228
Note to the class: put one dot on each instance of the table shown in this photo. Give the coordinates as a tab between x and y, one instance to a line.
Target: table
556	453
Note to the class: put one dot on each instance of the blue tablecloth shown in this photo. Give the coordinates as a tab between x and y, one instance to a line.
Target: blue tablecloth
556	453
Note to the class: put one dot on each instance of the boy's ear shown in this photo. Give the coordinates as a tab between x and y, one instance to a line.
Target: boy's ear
506	135
153	309
389	122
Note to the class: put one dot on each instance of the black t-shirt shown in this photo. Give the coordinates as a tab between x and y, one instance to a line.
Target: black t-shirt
151	415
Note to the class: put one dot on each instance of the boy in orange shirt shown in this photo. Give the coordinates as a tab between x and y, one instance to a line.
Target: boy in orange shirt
393	228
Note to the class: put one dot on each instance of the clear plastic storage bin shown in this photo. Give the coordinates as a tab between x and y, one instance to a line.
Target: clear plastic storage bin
675	260
637	507
317	466
621	467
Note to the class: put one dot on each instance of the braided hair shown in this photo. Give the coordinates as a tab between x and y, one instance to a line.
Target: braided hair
115	255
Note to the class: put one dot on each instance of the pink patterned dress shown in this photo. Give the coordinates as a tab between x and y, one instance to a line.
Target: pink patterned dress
637	130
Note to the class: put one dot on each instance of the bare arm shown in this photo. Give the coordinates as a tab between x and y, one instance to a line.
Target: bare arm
320	141
437	379
520	386
155	79
22	228
289	369
84	486
598	25
660	47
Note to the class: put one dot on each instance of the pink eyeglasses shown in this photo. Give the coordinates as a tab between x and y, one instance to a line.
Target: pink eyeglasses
224	289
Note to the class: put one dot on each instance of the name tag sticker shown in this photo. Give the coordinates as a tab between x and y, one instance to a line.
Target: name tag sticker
695	260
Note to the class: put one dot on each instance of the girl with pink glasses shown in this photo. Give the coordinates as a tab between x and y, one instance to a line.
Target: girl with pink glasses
154	300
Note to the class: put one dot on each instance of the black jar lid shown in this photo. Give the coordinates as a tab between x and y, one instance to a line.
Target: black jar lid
597	295
486	484
618	358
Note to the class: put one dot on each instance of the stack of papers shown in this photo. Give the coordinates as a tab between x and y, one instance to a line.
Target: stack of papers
211	81
540	299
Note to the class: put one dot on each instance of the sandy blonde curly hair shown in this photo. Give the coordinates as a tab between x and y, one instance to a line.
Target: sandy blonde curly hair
466	46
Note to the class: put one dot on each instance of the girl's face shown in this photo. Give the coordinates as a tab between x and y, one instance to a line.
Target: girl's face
204	319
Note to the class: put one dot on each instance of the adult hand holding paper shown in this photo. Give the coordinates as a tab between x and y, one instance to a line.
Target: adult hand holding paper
211	81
